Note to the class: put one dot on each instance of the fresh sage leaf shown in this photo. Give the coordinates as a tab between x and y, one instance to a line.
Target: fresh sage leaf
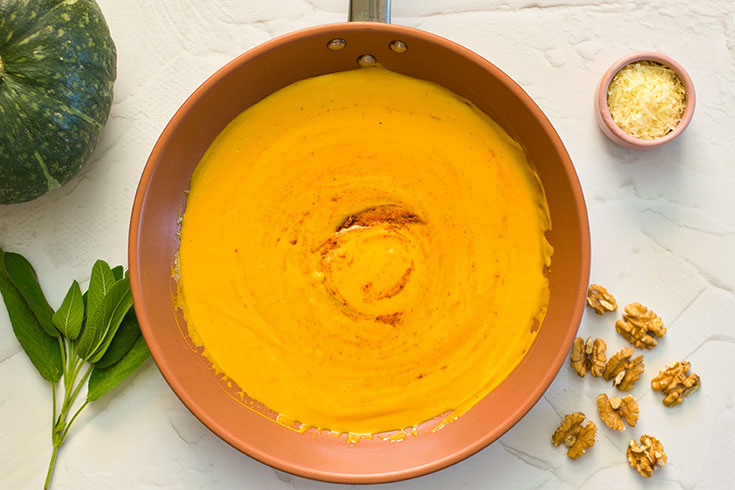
116	304
103	380
93	323
122	341
24	278
70	315
44	351
112	328
117	272
99	284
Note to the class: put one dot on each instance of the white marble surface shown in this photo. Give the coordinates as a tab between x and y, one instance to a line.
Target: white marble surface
662	223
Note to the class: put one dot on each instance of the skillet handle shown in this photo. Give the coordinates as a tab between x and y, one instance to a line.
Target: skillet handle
370	11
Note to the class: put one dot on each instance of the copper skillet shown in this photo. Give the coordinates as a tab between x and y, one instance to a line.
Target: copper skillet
161	197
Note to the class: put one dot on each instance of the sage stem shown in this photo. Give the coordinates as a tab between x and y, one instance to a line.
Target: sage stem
53	404
68	426
51	467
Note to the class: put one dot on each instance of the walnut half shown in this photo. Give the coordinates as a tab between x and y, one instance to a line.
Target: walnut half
577	437
614	410
622	370
640	326
588	354
647	456
675	383
600	300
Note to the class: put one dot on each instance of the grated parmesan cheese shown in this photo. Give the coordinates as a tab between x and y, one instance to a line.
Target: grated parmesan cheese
646	99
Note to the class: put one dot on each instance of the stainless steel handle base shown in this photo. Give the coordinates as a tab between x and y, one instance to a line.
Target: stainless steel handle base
370	11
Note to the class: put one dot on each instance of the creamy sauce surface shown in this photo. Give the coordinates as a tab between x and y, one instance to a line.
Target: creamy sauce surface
363	252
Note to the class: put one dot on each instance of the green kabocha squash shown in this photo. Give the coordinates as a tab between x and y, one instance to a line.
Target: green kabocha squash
57	69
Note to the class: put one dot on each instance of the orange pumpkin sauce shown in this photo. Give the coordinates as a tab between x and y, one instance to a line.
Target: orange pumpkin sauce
363	252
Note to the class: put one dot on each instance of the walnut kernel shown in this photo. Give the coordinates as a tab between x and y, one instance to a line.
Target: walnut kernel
577	437
675	383
614	410
600	300
647	456
639	325
617	362
588	354
622	370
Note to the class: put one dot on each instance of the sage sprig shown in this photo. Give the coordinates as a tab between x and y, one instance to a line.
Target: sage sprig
92	338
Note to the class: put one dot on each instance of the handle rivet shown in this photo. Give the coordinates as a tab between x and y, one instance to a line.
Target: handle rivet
398	47
366	60
336	44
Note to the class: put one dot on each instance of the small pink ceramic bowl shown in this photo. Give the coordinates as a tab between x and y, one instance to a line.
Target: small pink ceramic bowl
605	120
